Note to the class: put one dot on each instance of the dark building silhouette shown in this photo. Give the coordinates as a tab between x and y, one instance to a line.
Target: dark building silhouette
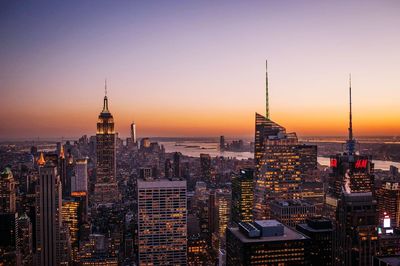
242	196
320	231
356	229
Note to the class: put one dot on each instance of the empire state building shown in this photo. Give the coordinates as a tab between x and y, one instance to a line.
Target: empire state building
106	187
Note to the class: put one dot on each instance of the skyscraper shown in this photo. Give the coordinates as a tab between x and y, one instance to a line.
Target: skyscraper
350	171
133	133
162	222
205	168
281	163
388	197
242	196
356	229
80	180
222	214
48	216
265	242
320	231
177	165
106	187
7	191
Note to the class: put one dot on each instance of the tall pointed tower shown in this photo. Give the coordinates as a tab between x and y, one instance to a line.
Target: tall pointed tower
282	164
106	187
351	172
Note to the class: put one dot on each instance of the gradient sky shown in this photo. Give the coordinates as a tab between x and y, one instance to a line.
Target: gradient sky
197	68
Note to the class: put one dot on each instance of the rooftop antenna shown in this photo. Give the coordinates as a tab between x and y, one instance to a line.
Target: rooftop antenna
105	87
105	103
266	90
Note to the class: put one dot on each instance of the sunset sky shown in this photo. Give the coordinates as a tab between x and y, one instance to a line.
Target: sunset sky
197	68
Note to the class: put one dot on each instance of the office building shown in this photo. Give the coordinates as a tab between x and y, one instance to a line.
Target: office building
106	187
221	143
205	168
265	242
320	231
222	214
24	239
162	222
168	171
133	133
80	179
356	229
7	191
351	172
48	216
177	165
242	196
282	164
292	212
388	197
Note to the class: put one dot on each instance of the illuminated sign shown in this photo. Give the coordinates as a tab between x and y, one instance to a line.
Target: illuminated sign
333	162
386	222
361	163
78	193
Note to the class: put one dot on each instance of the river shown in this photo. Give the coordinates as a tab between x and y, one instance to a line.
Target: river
194	149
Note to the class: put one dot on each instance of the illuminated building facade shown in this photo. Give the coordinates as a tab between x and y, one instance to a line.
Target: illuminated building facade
7	191
74	214
162	222
106	187
265	242
292	212
320	231
48	216
388	197
356	229
222	214
357	169
242	196
281	163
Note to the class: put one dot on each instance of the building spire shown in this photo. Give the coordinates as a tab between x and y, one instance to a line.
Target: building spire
266	91
351	113
105	103
350	141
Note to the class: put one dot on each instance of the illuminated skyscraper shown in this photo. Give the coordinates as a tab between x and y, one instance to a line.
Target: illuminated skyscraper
106	187
222	215
281	163
48	216
242	196
162	222
74	214
7	191
388	197
350	171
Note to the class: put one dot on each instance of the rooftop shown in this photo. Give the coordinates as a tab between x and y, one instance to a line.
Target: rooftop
288	234
162	182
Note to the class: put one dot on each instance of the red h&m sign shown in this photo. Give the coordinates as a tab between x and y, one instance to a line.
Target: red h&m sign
333	162
361	163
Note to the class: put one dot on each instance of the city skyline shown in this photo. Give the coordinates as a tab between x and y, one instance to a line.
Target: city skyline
176	73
